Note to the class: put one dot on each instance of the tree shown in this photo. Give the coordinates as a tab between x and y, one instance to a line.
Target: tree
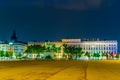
7	54
118	56
66	51
87	54
51	49
71	52
77	51
2	54
18	55
57	50
35	49
10	54
105	55
29	49
38	49
96	55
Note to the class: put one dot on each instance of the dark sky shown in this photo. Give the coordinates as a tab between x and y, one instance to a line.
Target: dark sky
56	19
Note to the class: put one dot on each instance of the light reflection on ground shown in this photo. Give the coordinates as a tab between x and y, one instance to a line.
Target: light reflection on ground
60	70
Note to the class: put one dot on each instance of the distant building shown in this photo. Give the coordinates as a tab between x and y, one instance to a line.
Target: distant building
19	47
97	46
93	46
4	46
34	43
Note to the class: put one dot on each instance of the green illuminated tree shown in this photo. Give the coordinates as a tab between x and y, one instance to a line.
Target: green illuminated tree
66	51
118	56
51	49
72	51
2	54
7	54
105	55
77	51
96	55
87	54
35	49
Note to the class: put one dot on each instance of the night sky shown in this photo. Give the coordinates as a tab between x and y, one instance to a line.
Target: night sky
56	19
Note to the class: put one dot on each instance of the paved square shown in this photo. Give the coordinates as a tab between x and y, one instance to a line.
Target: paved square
60	70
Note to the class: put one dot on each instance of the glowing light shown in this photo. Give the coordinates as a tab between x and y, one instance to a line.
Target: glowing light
10	43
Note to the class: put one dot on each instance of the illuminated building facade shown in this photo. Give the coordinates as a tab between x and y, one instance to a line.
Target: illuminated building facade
34	43
4	46
18	47
93	46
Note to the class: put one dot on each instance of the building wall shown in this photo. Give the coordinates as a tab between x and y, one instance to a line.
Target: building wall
100	46
71	40
19	48
5	47
34	43
95	46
